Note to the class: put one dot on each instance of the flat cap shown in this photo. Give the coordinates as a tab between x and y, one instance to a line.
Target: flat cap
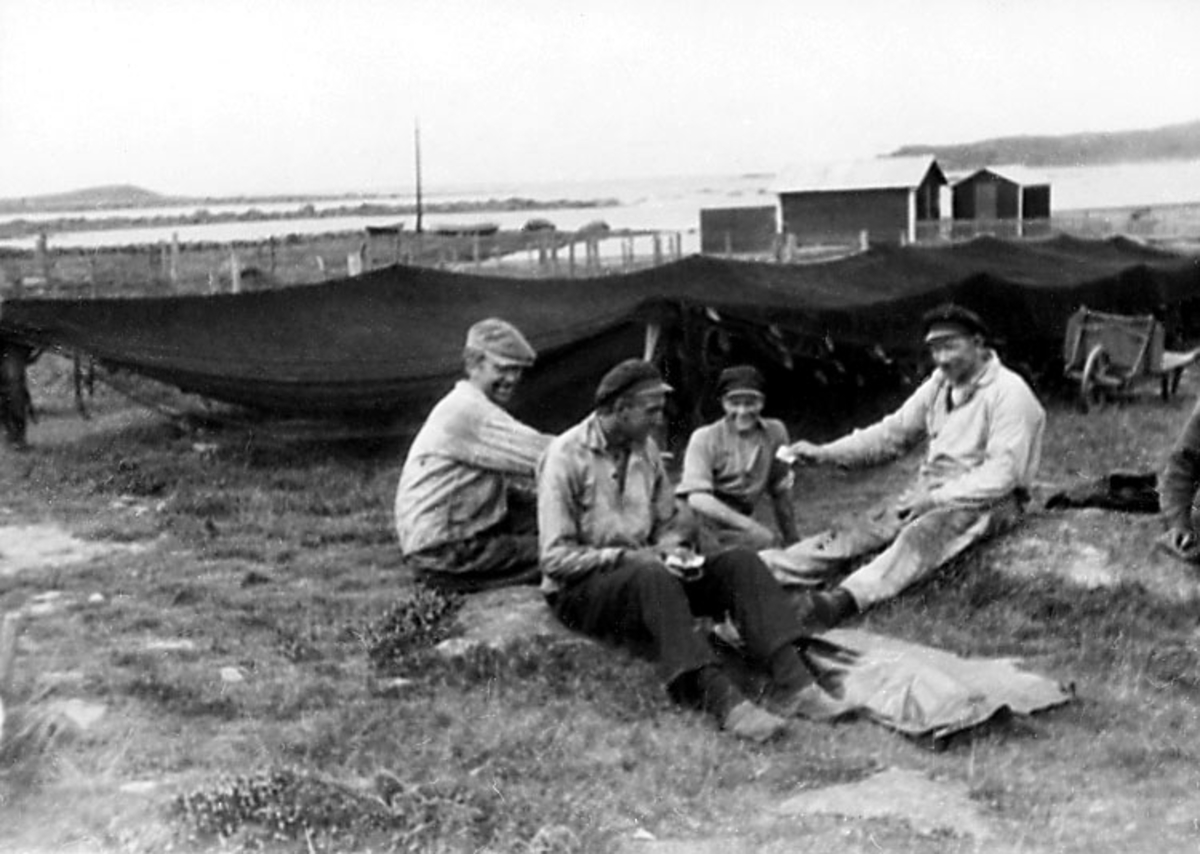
951	319
741	378
633	376
501	340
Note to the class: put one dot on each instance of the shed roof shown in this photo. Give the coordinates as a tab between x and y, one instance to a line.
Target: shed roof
881	173
1015	173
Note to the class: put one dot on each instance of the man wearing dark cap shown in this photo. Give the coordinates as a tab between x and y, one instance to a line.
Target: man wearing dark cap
983	426
731	464
616	566
465	504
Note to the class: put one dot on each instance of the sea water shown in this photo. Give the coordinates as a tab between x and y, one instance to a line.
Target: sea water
660	204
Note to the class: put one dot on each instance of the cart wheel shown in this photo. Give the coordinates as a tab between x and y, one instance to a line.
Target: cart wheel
1091	390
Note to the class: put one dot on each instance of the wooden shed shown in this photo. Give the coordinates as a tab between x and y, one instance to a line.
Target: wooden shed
888	197
737	231
997	194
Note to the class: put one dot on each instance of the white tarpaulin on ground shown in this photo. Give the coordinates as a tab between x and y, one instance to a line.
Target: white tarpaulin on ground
922	691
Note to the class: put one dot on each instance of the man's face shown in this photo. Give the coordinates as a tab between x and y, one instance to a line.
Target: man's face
958	356
641	414
496	379
743	409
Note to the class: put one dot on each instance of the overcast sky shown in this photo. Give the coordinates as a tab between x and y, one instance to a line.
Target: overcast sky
270	96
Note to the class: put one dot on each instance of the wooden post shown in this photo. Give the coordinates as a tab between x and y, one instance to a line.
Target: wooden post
235	272
173	271
43	256
658	255
650	342
864	241
571	259
678	246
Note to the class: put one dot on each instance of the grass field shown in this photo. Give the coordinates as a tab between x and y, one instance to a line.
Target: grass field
219	679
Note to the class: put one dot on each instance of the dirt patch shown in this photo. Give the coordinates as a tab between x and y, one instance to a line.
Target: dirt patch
1094	548
44	545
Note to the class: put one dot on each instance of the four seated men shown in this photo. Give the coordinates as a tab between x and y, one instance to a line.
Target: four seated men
617	554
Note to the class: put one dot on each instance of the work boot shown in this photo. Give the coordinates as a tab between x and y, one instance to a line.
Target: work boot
830	609
813	703
753	723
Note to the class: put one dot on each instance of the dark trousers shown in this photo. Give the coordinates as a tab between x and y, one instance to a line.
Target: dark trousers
653	613
505	555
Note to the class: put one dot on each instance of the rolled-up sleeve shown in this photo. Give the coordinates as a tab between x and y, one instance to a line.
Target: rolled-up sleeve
564	553
698	464
1181	475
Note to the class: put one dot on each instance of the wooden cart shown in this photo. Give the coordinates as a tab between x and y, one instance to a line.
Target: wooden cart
1108	354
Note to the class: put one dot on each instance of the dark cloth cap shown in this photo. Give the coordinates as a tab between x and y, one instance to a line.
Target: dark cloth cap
951	319
741	378
633	376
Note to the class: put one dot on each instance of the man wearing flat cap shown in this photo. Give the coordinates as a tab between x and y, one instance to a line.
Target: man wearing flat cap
465	506
731	464
616	565
983	426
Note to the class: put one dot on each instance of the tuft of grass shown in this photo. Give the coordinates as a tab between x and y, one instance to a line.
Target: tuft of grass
411	625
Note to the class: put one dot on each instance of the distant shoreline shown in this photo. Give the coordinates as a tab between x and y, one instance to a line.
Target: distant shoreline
19	227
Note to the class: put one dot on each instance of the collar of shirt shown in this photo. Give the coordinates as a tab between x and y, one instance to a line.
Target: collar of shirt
957	395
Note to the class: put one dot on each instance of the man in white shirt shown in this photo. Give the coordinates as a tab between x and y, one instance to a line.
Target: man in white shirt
984	428
466	510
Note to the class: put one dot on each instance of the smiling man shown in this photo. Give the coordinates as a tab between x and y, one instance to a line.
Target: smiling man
730	465
465	506
983	426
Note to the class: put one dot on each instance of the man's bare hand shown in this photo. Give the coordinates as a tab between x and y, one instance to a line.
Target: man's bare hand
800	452
1182	543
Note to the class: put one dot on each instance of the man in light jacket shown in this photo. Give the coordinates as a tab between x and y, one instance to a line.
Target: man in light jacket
983	426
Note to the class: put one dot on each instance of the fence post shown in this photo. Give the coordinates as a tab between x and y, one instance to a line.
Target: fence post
728	244
864	240
571	259
789	248
43	256
658	256
235	272
173	272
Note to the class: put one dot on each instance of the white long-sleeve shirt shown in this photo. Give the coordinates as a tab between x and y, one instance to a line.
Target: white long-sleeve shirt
985	438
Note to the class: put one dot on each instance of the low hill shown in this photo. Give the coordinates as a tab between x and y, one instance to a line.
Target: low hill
91	198
1171	142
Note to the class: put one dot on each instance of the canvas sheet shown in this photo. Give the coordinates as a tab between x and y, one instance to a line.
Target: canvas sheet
923	691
